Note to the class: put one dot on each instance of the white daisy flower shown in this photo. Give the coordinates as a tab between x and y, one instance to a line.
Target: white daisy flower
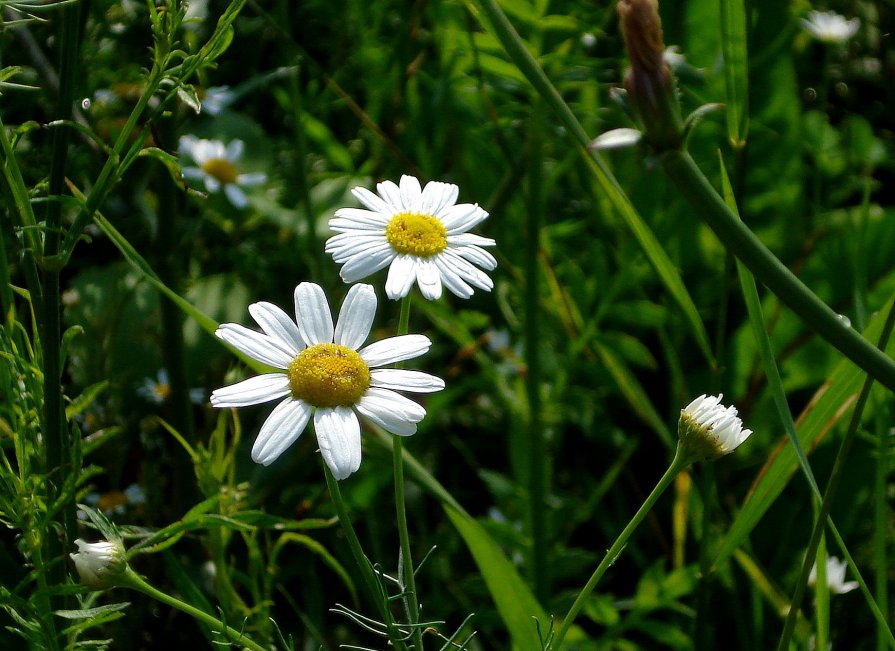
324	372
835	576
217	167
419	234
158	389
99	564
830	27
708	430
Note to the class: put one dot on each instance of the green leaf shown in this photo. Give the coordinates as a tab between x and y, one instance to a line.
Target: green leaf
736	70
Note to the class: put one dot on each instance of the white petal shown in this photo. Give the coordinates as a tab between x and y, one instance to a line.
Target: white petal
372	202
460	218
401	275
278	325
193	173
437	196
476	256
392	196
394	349
236	196
281	429
251	178
469	239
467	271
186	144
356	317
429	279
234	150
401	380
258	346
391	411
411	193
315	322
346	245
450	278
338	435
211	183
254	391
358	218
361	266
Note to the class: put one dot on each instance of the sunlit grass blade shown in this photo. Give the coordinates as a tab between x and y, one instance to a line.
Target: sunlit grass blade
736	70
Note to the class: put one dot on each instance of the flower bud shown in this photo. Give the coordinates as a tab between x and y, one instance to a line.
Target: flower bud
100	565
649	82
708	430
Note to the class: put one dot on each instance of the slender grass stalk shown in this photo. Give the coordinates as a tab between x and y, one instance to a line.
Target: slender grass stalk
537	461
829	494
408	583
374	589
133	580
821	594
678	463
881	526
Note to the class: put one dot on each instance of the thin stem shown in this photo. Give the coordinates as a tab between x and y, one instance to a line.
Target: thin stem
408	584
881	529
737	237
679	462
135	581
374	589
829	494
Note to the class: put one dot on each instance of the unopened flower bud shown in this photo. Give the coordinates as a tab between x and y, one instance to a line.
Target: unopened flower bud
708	430
100	565
649	82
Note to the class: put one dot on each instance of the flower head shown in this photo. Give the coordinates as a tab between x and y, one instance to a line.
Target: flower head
158	389
835	576
324	372
830	27
218	167
708	430
101	564
420	234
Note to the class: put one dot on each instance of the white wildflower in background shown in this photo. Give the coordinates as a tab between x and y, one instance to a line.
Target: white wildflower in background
830	27
708	430
157	389
99	564
420	234
218	167
324	371
835	576
217	99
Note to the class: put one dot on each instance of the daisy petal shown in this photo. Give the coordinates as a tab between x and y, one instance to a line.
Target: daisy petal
460	218
371	201
236	196
391	410
281	429
356	317
234	150
394	349
470	239
254	391
411	193
361	266
358	218
258	346
401	380
401	275
476	256
429	280
251	178
437	196
338	435
277	325
392	196
468	272
315	323
211	183
450	278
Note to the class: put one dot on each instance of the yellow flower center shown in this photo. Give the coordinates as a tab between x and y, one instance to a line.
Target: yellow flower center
221	169
417	234
328	375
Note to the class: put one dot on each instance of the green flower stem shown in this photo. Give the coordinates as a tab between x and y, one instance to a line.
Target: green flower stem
680	461
133	580
881	525
374	589
411	600
743	243
829	494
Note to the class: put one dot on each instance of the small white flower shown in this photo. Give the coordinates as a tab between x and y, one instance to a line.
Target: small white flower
420	234
157	389
830	27
708	429
99	564
217	167
324	371
217	99
835	576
